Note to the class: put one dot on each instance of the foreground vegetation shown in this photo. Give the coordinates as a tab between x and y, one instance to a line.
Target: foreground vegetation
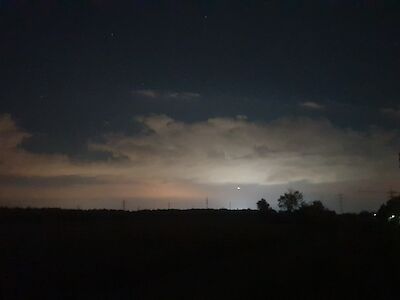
196	254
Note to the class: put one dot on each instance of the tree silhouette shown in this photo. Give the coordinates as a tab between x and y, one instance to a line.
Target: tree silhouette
315	208
290	200
263	205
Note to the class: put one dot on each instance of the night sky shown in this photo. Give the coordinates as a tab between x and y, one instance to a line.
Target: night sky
157	102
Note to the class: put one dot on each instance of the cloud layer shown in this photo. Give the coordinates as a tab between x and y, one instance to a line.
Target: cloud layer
173	159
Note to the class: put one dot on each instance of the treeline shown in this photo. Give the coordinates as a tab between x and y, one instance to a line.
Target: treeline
292	203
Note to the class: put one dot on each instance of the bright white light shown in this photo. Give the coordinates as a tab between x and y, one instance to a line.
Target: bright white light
374	215
393	216
238	188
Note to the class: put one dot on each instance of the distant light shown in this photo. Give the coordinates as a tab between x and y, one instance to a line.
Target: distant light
374	215
393	216
238	188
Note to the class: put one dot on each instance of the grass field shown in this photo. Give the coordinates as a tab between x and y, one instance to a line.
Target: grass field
195	254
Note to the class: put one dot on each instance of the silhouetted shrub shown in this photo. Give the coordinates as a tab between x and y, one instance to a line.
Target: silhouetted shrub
263	205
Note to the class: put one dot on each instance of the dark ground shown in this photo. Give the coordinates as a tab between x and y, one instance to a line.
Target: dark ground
196	254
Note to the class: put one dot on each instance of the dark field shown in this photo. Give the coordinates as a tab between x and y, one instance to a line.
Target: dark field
195	254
